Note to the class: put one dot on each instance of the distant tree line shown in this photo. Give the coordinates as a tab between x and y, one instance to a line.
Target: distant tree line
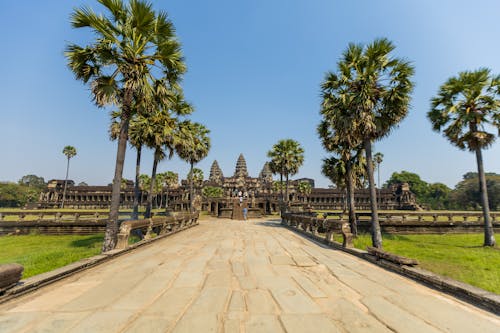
465	195
26	190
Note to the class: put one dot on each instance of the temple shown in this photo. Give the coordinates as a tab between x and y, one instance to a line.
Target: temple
259	194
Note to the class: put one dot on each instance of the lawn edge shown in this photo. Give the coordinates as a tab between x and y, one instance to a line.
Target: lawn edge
473	295
36	282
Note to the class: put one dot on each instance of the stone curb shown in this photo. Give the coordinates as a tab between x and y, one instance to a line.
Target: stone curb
463	291
35	282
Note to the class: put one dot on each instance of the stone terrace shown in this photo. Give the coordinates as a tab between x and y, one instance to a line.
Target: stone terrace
233	276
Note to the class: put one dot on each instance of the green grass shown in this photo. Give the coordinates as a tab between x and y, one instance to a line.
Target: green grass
41	253
458	256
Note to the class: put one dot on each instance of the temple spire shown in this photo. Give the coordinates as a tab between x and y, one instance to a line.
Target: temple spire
266	173
215	173
241	168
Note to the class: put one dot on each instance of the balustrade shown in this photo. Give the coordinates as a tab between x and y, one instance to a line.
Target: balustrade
161	225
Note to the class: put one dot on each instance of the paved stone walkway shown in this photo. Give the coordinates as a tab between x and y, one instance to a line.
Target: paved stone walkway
232	276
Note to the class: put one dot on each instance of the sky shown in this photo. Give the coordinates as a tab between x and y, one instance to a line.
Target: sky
254	72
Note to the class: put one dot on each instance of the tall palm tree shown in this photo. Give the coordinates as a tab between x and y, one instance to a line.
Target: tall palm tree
375	89
193	146
466	105
161	138
347	174
70	152
378	158
132	43
336	138
287	156
137	131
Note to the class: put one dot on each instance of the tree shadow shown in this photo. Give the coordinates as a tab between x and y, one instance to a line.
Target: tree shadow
90	242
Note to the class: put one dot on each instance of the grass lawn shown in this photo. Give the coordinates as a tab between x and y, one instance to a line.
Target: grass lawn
41	253
460	257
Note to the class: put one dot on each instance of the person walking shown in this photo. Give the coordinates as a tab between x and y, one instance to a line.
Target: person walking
245	212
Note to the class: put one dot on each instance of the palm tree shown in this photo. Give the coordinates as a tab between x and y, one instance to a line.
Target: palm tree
170	180
375	89
347	174
378	158
70	152
193	146
137	131
304	188
463	109
286	158
130	46
159	137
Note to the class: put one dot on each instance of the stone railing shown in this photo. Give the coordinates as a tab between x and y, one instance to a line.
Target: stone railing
164	225
319	226
422	222
10	274
412	216
55	216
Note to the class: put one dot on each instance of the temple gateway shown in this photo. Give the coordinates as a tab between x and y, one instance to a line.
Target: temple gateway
259	194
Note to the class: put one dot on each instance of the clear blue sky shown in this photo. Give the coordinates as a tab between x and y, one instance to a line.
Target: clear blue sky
254	70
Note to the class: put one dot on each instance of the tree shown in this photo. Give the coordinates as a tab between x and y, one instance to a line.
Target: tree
161	138
169	179
378	158
132	44
195	176
374	90
286	157
212	192
466	194
347	175
439	195
304	188
418	186
336	138
16	195
463	106
192	147
33	181
70	152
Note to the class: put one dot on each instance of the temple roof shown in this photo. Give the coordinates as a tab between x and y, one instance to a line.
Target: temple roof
215	172
241	168
266	173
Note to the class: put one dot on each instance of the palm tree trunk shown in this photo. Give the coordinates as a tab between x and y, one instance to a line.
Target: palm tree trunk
489	237
376	234
281	188
137	193
65	184
111	233
350	200
286	189
149	204
191	189
166	198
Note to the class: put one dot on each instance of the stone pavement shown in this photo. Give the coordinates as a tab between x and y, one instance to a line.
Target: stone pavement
234	276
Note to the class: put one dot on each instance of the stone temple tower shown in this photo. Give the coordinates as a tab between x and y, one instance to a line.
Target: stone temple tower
241	168
216	173
266	174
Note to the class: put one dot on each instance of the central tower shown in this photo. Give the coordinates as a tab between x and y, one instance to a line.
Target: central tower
241	168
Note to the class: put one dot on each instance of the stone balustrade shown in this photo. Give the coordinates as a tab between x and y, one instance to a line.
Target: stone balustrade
163	225
44	216
422	222
317	226
434	217
10	274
